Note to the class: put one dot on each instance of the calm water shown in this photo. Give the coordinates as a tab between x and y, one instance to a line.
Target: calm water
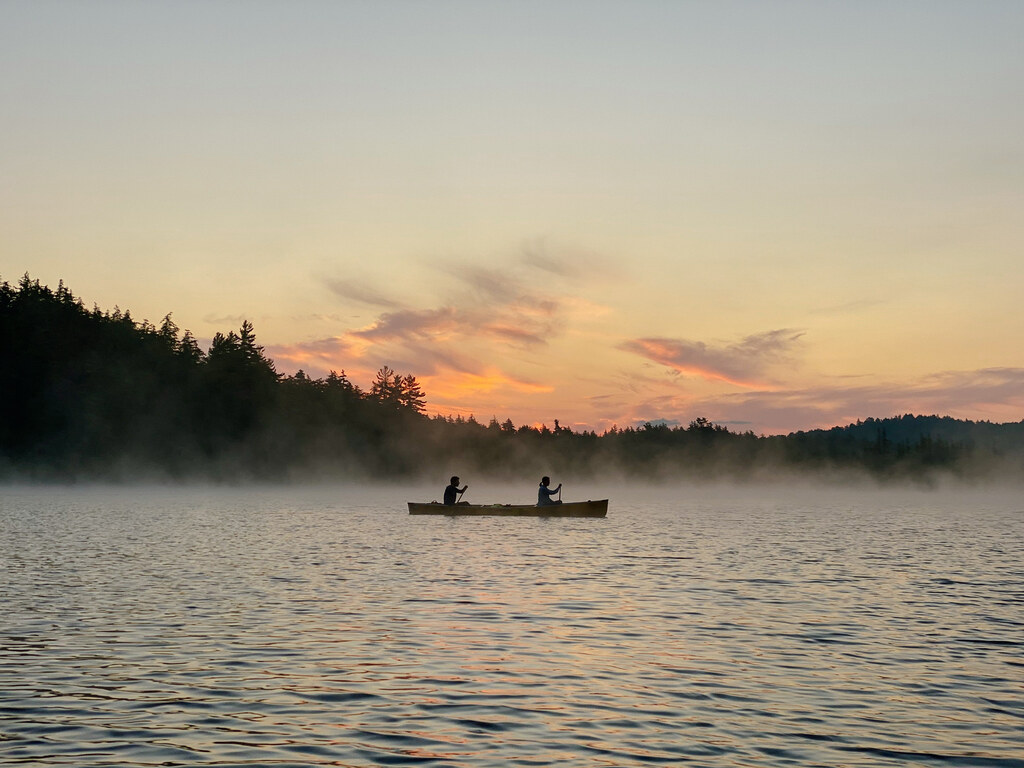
327	627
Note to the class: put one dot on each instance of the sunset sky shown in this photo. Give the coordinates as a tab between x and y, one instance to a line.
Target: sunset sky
776	215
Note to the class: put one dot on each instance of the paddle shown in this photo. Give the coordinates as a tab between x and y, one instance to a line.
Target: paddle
559	491
460	494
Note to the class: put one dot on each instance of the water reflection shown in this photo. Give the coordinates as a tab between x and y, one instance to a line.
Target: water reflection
266	627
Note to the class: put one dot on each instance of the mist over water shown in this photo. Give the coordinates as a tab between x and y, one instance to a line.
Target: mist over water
695	625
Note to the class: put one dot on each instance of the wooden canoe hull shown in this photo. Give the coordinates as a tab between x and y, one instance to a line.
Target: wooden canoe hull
597	508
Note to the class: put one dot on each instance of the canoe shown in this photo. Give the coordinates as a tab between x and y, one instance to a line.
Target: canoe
597	508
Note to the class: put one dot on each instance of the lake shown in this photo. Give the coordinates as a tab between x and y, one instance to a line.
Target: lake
768	626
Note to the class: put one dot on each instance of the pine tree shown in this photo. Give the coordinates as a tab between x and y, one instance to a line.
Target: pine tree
411	395
387	387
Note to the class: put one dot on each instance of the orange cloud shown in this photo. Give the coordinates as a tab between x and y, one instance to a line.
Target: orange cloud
995	394
315	356
741	364
513	323
453	348
418	324
457	386
360	292
666	353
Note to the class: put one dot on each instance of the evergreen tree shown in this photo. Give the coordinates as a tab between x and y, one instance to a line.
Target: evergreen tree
411	395
387	387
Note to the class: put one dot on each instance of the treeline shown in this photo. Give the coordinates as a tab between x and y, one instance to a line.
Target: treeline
95	394
91	393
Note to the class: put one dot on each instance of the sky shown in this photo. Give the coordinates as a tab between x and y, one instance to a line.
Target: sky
774	215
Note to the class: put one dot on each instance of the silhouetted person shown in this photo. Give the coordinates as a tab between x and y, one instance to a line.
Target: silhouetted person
452	492
544	493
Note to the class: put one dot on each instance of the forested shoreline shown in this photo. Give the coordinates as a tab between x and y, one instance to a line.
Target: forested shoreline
92	394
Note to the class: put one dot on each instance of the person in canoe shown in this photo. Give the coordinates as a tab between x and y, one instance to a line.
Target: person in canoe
453	492
544	493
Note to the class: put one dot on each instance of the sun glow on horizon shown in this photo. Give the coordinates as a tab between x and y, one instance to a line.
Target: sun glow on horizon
784	215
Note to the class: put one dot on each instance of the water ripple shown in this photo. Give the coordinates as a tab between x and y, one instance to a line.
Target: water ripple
261	627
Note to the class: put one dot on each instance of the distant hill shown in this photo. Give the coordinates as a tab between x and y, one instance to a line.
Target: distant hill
909	430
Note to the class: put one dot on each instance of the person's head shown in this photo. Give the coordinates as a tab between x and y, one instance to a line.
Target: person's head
545	481
455	479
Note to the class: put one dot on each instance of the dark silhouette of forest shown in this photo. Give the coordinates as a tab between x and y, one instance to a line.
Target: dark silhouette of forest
95	394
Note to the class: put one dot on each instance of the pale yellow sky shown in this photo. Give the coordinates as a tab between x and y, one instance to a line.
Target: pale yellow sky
776	215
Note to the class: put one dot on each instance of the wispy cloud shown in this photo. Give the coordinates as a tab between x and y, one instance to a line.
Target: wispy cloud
517	325
471	346
849	307
455	340
996	392
986	390
233	320
316	357
741	364
514	335
575	265
487	284
355	290
412	324
553	265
